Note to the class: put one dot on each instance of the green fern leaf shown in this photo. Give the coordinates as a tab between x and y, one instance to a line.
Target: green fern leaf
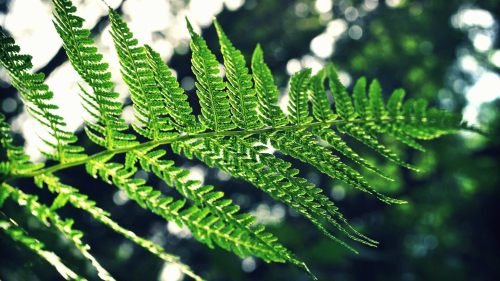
215	107
322	110
44	213
148	102
267	92
241	95
361	132
84	57
205	227
80	201
298	106
37	96
222	209
175	98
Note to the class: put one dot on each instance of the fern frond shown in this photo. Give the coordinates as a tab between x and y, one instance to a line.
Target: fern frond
215	107
101	103
12	229
322	110
165	117
298	105
267	92
44	214
148	102
241	95
175	99
206	226
37	97
70	194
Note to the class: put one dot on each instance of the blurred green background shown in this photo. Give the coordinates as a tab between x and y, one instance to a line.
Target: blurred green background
444	51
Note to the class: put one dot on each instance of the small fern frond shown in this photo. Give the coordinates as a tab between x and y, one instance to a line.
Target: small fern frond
322	109
175	99
215	107
267	92
298	105
86	60
37	97
12	229
148	102
45	214
241	95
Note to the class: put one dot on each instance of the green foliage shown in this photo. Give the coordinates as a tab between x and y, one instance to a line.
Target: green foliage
175	98
210	87
165	118
37	97
267	92
86	60
239	89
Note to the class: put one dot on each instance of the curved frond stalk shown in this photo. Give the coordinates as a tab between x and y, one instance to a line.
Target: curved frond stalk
80	201
175	99
267	92
101	103
241	95
148	102
17	160
37	97
322	109
212	200
215	107
298	105
45	214
12	229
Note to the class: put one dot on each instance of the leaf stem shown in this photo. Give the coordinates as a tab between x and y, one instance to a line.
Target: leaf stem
155	143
